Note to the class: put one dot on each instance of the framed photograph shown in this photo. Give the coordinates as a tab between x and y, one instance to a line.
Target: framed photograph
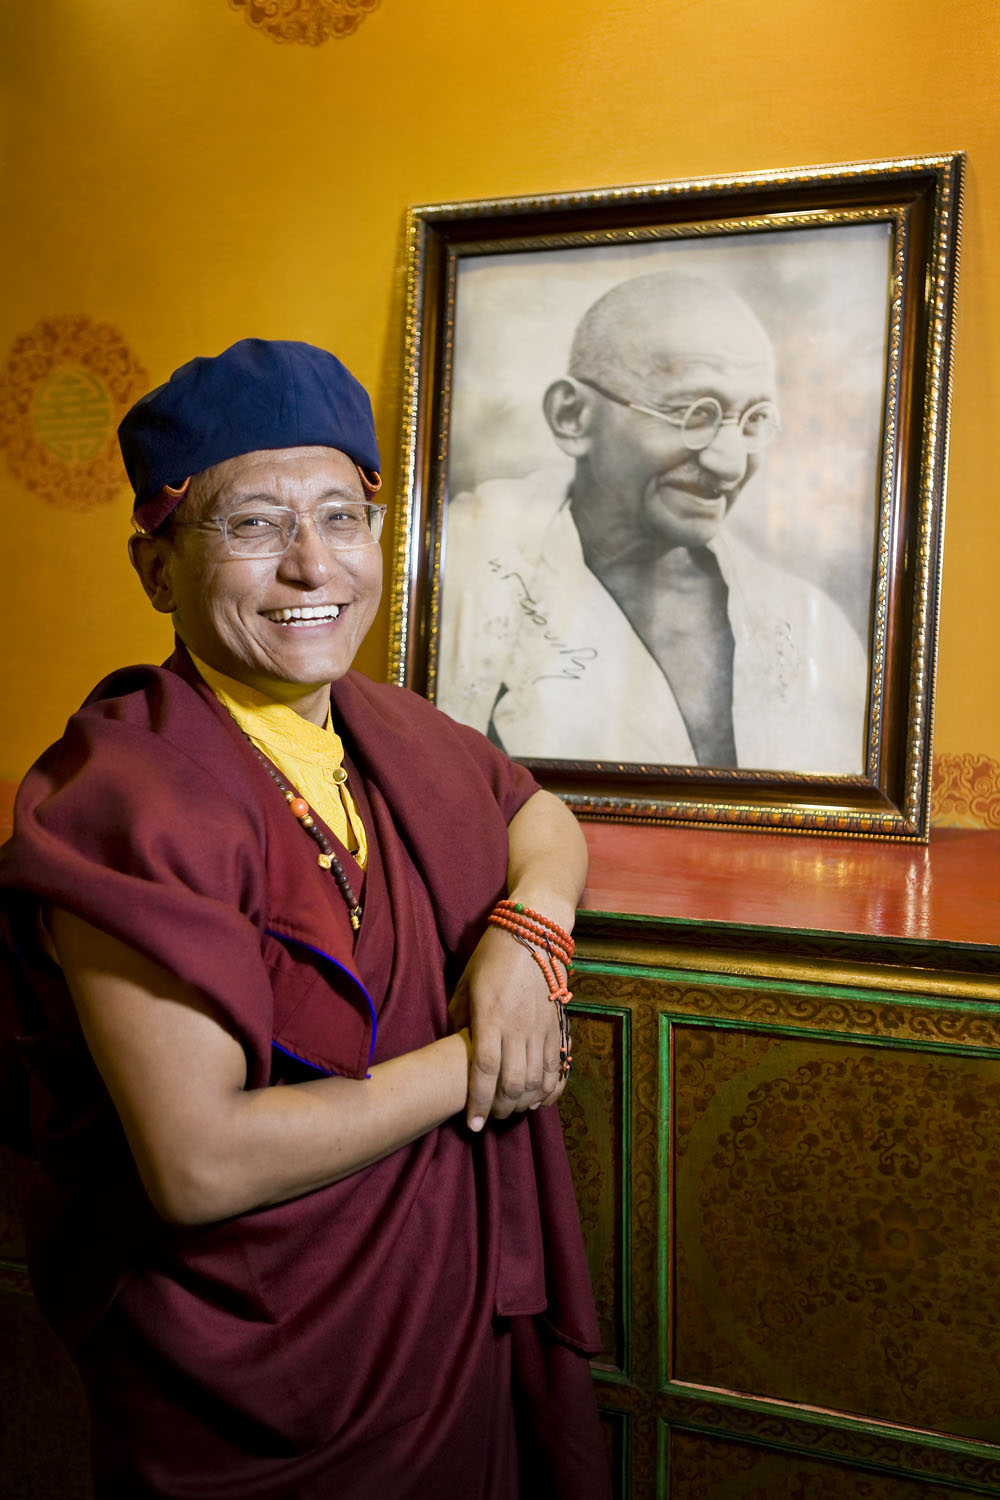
673	468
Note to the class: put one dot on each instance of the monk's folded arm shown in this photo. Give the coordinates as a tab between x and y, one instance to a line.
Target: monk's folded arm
206	1146
515	1030
547	858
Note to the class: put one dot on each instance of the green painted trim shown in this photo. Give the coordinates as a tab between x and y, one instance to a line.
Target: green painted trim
934	1442
849	1038
665	1202
868	995
623	1478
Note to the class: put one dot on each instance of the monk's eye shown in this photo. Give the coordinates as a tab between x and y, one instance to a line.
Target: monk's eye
343	521
250	529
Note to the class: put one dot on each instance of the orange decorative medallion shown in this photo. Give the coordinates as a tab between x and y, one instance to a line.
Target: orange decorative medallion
308	21
66	386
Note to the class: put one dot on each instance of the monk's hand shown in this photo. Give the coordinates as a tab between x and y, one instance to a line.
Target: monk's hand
503	998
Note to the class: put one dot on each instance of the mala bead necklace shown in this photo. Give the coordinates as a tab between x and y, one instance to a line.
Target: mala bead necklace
550	947
326	859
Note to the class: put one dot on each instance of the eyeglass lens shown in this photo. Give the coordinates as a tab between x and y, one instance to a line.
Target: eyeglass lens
259	532
704	418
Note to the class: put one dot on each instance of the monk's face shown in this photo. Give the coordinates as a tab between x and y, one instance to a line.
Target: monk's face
640	478
288	625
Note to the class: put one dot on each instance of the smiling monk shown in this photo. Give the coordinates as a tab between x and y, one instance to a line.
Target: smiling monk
253	867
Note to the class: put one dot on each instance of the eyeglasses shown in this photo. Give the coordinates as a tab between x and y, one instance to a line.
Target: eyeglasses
701	421
269	530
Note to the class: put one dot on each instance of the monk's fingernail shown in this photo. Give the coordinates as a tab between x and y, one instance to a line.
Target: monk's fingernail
477	1123
535	1105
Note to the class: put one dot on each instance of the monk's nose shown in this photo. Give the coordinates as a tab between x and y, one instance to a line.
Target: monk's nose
307	557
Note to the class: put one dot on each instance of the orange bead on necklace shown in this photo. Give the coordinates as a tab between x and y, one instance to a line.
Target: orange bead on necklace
327	858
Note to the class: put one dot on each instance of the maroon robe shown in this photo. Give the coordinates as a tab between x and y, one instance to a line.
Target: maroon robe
418	1329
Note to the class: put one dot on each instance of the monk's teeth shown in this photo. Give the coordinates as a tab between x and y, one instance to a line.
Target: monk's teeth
303	612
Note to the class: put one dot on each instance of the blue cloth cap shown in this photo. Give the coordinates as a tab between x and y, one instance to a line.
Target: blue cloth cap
258	394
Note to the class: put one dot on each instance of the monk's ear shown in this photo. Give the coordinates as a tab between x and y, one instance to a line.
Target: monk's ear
569	411
150	557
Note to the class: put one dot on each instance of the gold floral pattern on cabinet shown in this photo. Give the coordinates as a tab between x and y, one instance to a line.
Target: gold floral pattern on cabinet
818	1178
310	22
592	1115
66	385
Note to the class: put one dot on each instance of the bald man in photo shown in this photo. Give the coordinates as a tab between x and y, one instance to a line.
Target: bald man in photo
601	610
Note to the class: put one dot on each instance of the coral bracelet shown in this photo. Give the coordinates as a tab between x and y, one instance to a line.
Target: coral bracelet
551	948
547	943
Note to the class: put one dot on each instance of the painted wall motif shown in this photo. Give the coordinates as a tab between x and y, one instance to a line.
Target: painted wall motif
310	22
965	791
67	384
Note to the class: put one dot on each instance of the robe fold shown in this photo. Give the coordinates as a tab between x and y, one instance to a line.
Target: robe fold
391	1335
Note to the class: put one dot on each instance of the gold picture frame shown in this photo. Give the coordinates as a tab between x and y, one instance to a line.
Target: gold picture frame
851	271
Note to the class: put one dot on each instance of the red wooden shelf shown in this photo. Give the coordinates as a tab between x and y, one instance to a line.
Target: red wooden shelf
947	891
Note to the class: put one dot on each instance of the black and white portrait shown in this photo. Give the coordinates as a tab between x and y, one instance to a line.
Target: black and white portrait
663	473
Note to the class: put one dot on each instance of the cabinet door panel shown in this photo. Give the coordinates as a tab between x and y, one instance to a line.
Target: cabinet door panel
835	1226
595	1117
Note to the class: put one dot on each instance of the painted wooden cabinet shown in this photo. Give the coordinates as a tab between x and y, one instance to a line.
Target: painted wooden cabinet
784	1122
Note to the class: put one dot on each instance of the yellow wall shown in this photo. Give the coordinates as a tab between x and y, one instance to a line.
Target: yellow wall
172	172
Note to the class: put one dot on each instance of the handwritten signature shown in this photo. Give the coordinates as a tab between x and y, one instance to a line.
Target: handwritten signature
579	656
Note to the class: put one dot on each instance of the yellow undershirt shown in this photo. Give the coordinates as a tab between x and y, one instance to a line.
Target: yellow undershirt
307	757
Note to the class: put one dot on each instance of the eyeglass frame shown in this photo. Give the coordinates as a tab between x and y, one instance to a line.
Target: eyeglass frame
376	519
679	422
